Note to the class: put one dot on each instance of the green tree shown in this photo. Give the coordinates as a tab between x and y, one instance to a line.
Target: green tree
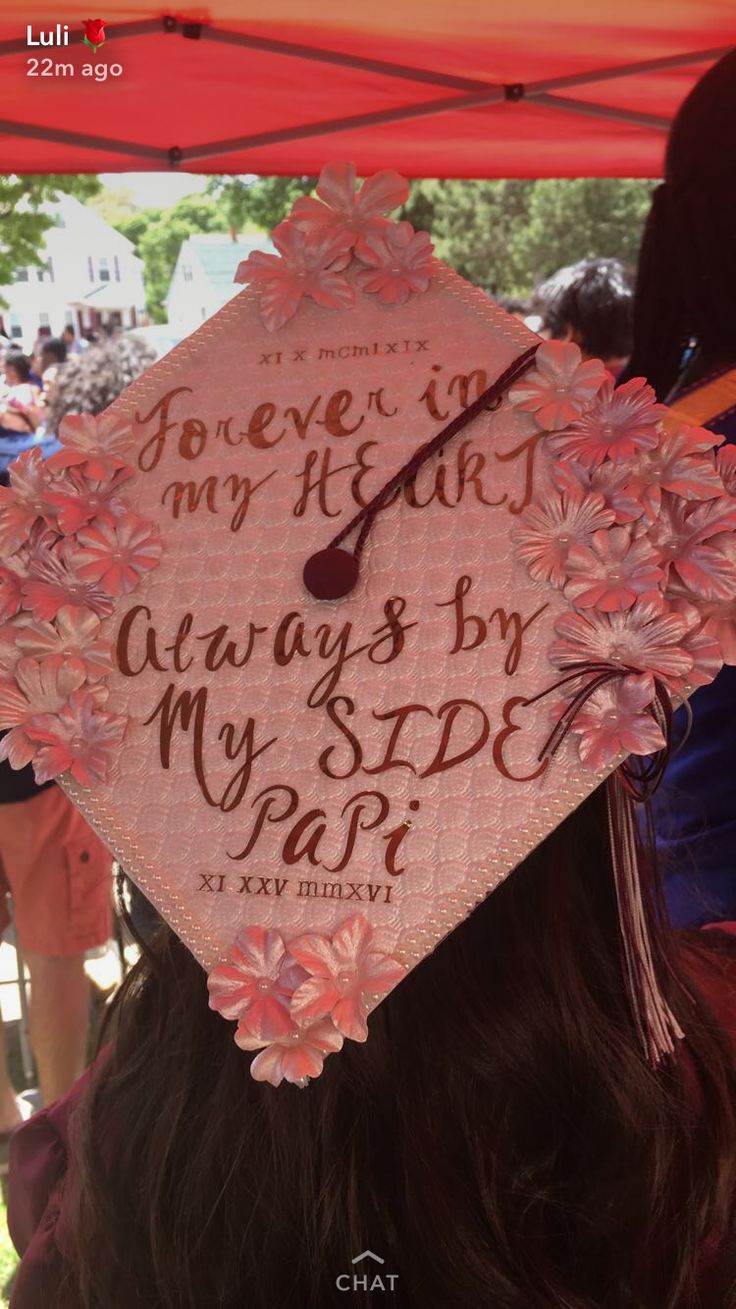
260	201
134	225
22	220
158	235
473	225
506	236
580	218
114	205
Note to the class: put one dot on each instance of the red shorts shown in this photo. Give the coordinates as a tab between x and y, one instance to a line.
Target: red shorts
59	874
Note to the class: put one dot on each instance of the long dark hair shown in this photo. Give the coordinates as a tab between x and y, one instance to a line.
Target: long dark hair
500	1140
686	289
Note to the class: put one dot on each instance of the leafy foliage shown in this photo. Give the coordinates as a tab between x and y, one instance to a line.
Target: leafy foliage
261	201
158	235
508	235
581	218
22	224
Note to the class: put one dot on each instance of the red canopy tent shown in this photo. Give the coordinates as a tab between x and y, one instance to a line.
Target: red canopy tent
452	88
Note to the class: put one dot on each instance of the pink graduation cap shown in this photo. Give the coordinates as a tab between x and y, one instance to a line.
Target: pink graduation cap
342	608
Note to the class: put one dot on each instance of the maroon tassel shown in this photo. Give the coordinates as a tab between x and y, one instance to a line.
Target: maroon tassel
656	1024
634	781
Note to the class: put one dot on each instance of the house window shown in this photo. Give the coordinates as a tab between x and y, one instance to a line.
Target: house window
116	266
16	330
44	326
20	275
186	272
90	269
46	272
103	269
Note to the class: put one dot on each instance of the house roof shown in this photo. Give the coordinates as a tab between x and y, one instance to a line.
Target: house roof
218	255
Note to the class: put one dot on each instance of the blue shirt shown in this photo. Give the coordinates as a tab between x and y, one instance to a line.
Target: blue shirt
695	808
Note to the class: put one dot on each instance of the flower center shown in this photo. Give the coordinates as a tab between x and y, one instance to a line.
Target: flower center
344	980
618	653
263	985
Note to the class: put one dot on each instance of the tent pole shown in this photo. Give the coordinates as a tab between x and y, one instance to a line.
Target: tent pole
568	105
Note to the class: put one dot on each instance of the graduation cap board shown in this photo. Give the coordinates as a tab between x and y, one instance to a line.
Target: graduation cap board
314	791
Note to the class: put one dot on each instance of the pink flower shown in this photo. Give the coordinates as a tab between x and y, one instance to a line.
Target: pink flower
75	636
613	571
306	264
683	463
560	386
96	444
11	595
341	209
116	552
611	481
399	263
646	638
701	643
720	626
343	973
36	688
616	425
23	503
79	739
295	1057
10	652
39	687
77	499
726	463
697	544
54	583
617	718
256	986
548	530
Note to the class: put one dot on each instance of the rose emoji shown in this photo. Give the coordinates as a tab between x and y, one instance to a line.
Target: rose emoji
94	33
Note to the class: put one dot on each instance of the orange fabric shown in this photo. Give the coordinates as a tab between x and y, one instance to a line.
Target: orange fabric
704	403
173	91
59	874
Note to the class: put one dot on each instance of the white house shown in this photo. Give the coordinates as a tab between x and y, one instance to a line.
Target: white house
91	279
203	278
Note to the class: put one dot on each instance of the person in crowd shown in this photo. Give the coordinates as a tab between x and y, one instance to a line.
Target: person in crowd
499	1140
19	409
53	358
592	304
36	367
60	877
685	344
92	380
517	308
69	337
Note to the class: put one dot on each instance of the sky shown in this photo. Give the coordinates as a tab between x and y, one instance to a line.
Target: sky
155	189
